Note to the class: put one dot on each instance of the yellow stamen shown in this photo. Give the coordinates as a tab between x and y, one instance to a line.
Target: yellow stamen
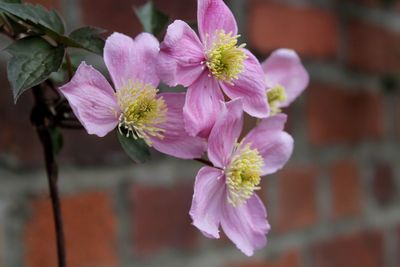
224	57
276	95
243	175
141	111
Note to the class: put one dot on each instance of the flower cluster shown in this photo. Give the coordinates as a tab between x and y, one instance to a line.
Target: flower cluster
214	67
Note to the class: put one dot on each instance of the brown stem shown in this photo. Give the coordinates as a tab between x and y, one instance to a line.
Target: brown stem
69	66
42	128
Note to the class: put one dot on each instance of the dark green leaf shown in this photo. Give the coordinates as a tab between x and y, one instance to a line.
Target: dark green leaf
137	149
56	139
152	19
37	15
33	60
89	38
11	26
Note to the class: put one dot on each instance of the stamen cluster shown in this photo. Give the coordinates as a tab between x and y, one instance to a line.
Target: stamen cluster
141	111
276	95
224	57
243	174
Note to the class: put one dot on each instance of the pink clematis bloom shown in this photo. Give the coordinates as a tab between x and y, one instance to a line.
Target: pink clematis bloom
285	77
210	63
224	194
134	107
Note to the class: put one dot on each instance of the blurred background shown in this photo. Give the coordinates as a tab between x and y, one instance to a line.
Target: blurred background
336	204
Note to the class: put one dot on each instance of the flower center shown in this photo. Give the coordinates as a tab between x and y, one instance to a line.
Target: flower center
141	111
276	95
243	175
224	57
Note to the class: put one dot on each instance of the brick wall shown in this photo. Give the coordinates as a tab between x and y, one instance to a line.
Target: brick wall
336	204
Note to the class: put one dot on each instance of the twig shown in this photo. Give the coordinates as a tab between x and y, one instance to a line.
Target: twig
69	66
42	128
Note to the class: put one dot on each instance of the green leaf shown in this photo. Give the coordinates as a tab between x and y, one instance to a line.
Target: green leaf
137	149
152	19
56	139
33	60
89	38
37	15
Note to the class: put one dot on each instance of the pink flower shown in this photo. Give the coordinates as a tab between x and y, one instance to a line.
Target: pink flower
285	77
210	63
224	194
134	108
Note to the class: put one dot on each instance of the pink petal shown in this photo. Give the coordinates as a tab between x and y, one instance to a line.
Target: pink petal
274	145
284	67
202	106
214	15
132	60
246	226
176	141
225	133
208	198
250	87
93	100
180	56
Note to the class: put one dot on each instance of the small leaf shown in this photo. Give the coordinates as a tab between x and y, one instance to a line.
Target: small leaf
137	149
37	15
33	60
89	38
152	19
56	139
12	26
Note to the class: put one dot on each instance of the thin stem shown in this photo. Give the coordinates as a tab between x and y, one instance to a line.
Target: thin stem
69	66
42	128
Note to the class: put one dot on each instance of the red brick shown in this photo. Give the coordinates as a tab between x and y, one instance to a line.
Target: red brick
161	218
358	249
119	16
310	31
297	207
346	189
336	115
373	48
291	258
90	232
383	183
